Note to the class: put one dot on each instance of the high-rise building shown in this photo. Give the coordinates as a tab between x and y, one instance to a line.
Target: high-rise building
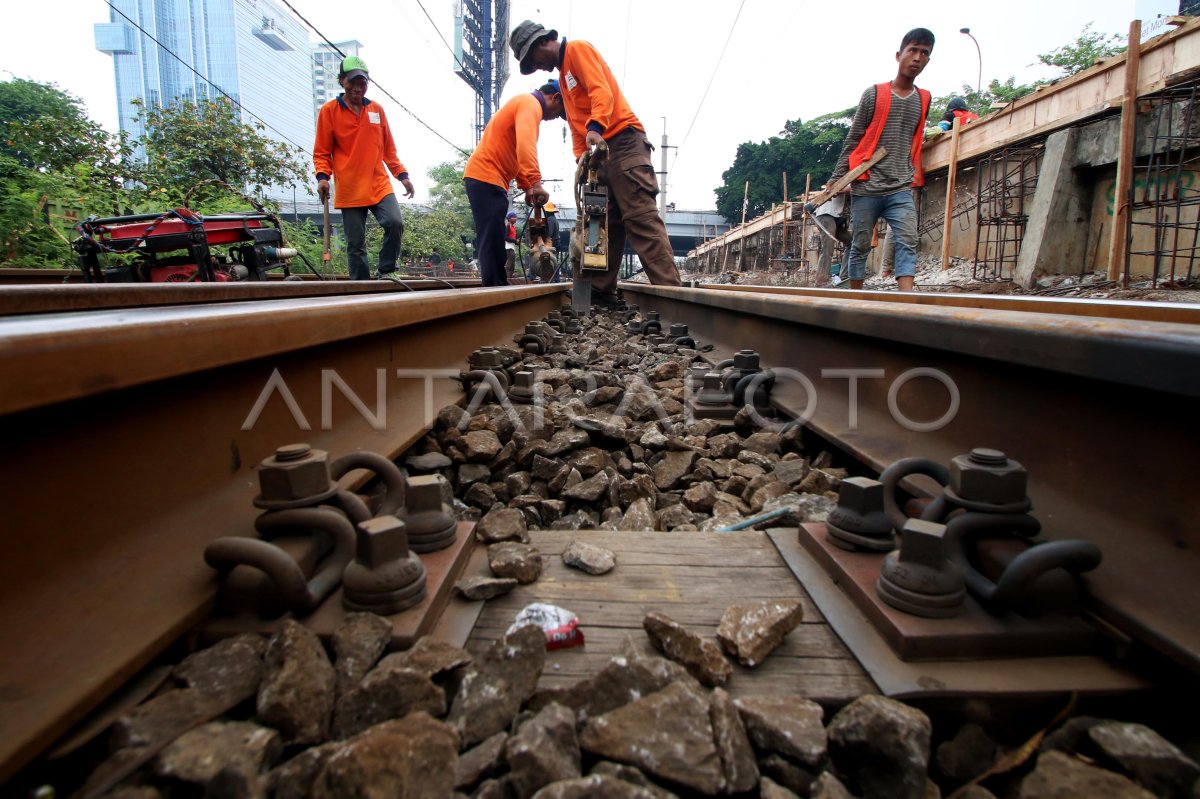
253	50
325	67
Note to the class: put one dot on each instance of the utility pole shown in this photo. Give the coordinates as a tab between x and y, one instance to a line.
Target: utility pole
662	180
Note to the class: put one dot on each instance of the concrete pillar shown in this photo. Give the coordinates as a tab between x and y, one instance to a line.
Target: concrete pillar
1056	233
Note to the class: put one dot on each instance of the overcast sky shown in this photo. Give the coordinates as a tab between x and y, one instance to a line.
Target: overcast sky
785	60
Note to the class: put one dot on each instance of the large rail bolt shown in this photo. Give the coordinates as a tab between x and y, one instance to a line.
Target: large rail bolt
385	576
989	477
919	578
294	476
431	523
859	521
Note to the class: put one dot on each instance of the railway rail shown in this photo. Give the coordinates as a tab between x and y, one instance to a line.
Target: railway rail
130	435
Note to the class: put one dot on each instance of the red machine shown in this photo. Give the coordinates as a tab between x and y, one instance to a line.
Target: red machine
176	247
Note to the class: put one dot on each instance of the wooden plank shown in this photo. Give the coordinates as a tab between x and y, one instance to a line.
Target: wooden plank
806	641
693	578
1119	237
827	680
617	613
951	175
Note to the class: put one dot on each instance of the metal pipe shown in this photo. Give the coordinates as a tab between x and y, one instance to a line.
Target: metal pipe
753	520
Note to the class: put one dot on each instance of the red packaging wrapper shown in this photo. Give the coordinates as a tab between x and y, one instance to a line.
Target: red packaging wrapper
559	625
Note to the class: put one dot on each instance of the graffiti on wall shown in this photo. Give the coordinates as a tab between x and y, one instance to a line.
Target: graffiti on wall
1159	187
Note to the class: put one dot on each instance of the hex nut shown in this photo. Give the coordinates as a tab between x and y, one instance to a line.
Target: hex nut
294	472
745	359
489	358
989	478
380	541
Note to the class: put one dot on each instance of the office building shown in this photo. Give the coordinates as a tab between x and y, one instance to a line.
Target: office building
325	66
254	50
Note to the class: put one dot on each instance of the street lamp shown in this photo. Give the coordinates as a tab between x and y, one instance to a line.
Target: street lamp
978	52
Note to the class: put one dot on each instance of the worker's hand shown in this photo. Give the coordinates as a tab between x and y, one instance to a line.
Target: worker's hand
536	195
593	139
323	190
409	191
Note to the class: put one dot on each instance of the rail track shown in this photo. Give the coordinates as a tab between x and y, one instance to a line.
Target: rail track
131	432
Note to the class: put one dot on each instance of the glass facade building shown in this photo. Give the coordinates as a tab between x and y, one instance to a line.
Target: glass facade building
253	50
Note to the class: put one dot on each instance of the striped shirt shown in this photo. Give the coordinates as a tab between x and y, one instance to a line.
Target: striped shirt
895	171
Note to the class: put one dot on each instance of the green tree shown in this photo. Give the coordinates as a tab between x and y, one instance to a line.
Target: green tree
1088	48
202	155
44	128
447	189
801	148
446	226
51	155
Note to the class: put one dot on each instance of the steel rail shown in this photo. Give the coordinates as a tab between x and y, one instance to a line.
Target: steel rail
38	299
1101	412
1183	313
129	440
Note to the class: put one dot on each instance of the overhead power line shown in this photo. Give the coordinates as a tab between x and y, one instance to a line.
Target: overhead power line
378	86
232	99
716	68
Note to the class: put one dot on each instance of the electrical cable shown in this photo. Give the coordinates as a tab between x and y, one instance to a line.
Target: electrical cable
704	97
171	53
386	93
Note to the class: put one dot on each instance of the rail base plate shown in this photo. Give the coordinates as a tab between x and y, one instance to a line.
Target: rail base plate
443	568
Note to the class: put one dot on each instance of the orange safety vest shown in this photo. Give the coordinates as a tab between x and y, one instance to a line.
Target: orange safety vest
870	140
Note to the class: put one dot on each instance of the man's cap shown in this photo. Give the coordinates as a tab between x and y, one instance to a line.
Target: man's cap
549	208
524	37
511	215
353	66
550	86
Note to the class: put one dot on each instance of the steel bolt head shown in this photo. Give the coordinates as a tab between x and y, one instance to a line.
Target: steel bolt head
424	493
745	359
861	495
988	476
923	543
712	381
652	316
523	380
381	540
294	472
678	330
487	358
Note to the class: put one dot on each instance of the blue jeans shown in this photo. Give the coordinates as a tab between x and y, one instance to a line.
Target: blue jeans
900	212
354	222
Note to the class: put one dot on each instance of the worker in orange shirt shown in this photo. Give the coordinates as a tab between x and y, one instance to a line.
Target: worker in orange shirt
597	113
507	151
354	145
